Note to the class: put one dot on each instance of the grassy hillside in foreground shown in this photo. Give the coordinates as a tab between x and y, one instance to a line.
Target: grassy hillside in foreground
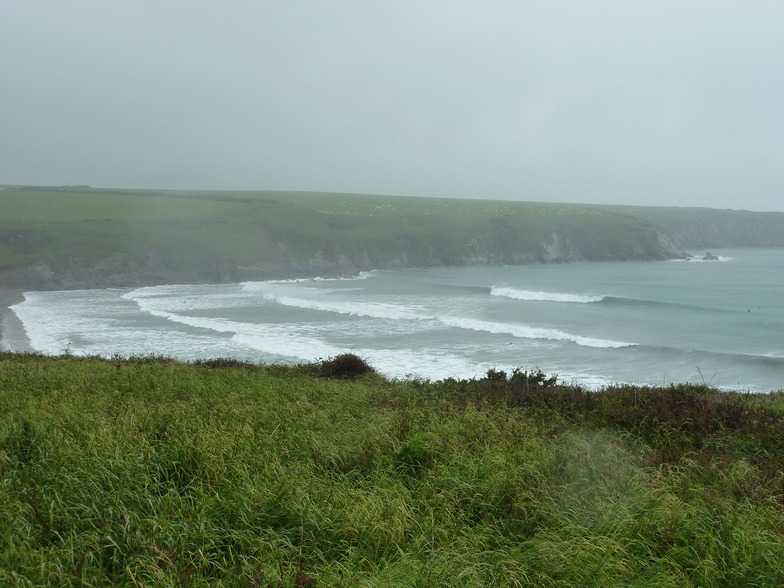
153	472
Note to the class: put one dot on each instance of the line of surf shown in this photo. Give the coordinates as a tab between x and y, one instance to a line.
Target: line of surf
528	332
539	296
698	259
273	339
50	319
377	310
364	275
383	311
395	312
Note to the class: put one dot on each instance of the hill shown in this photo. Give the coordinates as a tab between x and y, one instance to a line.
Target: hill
703	228
71	237
152	472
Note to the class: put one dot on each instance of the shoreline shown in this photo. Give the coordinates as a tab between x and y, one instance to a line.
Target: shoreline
393	357
9	297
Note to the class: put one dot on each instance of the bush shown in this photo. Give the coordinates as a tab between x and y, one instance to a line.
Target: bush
346	365
223	363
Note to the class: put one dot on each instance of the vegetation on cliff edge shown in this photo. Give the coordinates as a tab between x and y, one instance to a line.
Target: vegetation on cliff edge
154	472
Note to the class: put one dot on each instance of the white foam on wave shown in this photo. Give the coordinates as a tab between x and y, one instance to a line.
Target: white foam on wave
283	340
34	318
430	364
301	342
360	276
102	322
537	296
148	291
378	310
191	298
52	320
250	285
398	312
527	332
436	365
698	259
160	308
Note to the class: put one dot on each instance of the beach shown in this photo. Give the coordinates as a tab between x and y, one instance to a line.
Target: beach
713	322
8	298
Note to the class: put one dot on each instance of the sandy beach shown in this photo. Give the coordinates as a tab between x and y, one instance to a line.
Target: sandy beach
7	299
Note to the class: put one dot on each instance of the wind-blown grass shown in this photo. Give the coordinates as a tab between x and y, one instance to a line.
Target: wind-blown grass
153	472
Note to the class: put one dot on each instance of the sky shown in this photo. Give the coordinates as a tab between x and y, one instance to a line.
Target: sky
660	103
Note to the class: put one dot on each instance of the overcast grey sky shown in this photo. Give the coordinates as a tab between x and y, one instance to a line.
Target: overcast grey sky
654	102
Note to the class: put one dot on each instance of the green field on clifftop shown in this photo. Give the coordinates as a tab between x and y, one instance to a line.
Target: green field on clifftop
79	237
73	204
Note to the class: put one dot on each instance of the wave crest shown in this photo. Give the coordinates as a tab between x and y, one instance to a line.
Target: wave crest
538	296
377	310
527	332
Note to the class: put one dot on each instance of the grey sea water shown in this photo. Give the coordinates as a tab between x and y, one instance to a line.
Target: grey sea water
717	322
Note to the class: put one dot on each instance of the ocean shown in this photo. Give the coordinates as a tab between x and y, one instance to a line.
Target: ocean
715	322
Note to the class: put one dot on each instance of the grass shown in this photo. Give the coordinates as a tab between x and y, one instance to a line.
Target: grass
153	472
74	231
85	237
104	206
83	234
53	205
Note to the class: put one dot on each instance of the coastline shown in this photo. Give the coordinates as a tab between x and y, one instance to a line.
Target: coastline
9	297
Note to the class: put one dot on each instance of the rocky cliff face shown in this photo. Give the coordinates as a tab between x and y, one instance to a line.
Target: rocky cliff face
691	228
155	266
559	249
91	255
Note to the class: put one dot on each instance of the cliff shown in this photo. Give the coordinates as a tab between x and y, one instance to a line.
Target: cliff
702	228
109	238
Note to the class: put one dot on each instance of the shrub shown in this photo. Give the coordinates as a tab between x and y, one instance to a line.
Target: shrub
346	365
223	363
416	454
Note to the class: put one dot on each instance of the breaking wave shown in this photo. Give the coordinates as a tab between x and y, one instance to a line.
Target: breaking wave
526	332
377	310
537	296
